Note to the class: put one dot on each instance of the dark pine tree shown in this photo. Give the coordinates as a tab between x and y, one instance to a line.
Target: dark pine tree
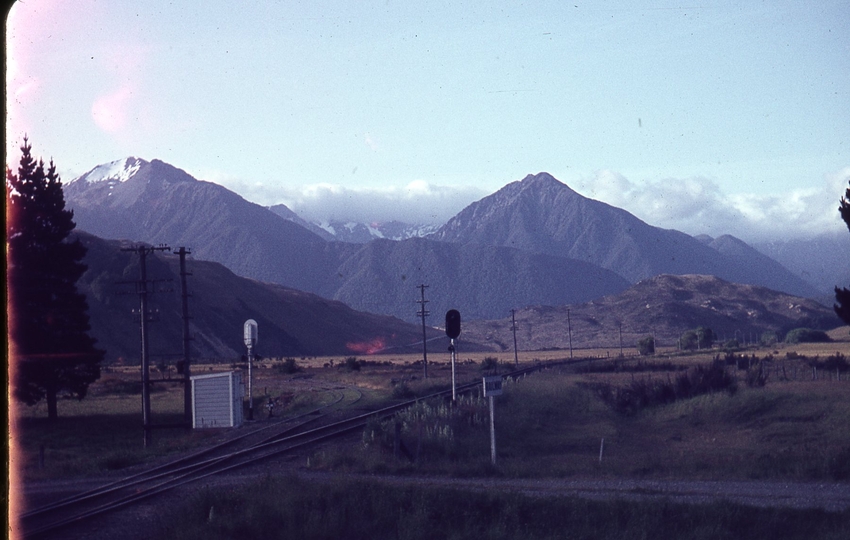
842	295
50	349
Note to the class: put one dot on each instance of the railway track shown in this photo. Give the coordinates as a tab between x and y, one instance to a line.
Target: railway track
254	447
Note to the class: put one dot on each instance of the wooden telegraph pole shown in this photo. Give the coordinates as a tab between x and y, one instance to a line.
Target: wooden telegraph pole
423	313
513	329
187	371
142	290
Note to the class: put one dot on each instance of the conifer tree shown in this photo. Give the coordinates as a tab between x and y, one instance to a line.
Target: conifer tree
842	295
50	350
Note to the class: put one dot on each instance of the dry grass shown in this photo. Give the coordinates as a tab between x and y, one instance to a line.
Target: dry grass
792	429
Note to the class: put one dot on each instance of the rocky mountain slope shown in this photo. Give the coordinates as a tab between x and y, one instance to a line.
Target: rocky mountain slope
291	322
664	306
542	215
480	281
157	203
823	261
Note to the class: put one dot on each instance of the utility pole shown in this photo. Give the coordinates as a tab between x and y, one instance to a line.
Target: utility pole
621	338
513	328
142	290
570	332
187	372
423	313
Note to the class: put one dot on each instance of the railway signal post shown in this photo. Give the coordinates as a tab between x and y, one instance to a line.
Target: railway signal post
250	333
453	331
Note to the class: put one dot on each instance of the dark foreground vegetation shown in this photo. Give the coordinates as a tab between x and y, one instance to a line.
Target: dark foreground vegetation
296	508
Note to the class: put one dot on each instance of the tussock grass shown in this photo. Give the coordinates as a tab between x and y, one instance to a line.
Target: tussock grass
552	424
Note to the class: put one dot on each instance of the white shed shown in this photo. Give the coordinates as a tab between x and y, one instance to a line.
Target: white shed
217	400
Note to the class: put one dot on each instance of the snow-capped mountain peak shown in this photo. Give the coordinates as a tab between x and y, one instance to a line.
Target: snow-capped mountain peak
115	171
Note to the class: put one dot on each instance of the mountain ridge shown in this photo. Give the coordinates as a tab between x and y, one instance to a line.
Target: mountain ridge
543	215
292	322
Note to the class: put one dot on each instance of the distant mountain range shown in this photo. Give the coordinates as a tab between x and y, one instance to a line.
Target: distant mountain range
823	261
535	241
354	232
156	203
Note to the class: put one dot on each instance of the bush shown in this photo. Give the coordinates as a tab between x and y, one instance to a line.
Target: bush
646	346
490	363
288	366
403	391
688	341
769	338
351	364
706	337
702	379
701	338
837	363
758	373
806	335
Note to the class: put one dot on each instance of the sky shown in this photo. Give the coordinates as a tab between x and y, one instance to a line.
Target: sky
709	117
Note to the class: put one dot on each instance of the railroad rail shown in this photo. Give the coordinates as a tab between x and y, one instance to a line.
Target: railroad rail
218	459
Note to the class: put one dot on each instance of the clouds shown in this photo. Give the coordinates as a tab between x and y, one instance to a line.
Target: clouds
415	202
697	205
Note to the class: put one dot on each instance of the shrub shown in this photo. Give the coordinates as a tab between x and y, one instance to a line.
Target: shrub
689	341
351	364
806	335
706	337
288	366
701	338
702	379
490	363
403	391
646	346
769	338
837	363
757	374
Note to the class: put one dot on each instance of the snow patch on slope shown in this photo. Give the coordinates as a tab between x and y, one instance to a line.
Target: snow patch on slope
115	171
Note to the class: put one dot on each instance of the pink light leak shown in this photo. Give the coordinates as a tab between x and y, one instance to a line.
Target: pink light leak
110	112
367	347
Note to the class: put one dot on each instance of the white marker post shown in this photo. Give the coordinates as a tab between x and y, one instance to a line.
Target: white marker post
492	387
250	333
